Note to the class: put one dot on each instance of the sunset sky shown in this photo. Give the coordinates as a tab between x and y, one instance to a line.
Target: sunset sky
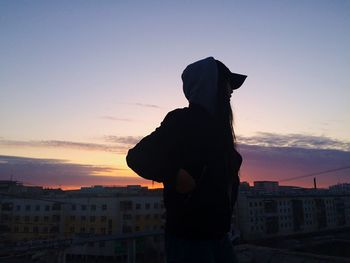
82	81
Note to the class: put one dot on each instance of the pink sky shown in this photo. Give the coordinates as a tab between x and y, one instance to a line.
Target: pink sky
81	82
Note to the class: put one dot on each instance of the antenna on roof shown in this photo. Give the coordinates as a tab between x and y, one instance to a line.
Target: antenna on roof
315	183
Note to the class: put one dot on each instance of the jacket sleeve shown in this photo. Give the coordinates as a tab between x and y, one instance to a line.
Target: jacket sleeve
158	156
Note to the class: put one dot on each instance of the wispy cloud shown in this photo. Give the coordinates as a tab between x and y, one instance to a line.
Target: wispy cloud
146	105
60	144
266	156
280	163
50	172
111	118
295	140
120	144
114	144
128	140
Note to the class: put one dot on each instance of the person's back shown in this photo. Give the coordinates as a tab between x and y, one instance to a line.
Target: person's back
206	211
193	154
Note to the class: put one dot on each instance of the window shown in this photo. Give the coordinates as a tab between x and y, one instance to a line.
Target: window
103	230
83	207
26	218
36	219
72	218
127	229
156	205
127	216
93	207
148	206
83	218
104	207
35	229
125	206
37	208
72	230
74	207
27	207
6	206
47	208
138	206
102	244
46	218
92	230
4	218
56	207
18	208
103	219
55	229
92	219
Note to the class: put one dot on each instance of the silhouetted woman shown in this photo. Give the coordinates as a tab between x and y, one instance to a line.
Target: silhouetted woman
193	153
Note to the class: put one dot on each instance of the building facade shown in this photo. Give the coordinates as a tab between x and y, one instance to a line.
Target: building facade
263	214
77	215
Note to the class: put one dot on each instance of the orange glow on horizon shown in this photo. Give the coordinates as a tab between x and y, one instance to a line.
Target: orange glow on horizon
150	185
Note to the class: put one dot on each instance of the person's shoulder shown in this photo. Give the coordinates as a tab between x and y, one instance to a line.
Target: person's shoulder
178	113
177	118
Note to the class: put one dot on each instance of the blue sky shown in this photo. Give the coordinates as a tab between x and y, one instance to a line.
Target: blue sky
82	71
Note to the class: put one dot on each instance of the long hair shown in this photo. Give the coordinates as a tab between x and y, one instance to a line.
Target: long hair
224	113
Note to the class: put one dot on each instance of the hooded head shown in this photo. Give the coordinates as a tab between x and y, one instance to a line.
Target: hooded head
200	82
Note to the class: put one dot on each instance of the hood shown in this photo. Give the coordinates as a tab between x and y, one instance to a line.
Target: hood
200	83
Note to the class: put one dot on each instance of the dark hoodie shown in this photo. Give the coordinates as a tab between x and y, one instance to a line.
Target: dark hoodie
189	138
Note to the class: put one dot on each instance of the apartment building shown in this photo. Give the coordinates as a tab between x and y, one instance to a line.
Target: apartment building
265	210
262	214
100	216
82	214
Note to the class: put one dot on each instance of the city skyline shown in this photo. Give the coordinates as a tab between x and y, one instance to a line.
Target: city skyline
82	82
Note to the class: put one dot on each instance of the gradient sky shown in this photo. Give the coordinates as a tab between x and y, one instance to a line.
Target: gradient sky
83	81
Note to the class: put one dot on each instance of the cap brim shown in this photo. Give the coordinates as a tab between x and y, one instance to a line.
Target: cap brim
237	80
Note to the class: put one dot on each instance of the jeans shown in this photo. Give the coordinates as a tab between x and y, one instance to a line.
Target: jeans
179	250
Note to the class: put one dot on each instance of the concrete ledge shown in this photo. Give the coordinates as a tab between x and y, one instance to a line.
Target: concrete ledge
253	254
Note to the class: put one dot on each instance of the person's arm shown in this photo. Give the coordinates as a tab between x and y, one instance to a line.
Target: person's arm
184	182
158	156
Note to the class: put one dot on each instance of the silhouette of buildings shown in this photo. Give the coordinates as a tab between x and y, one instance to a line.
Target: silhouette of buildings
94	213
93	222
268	211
